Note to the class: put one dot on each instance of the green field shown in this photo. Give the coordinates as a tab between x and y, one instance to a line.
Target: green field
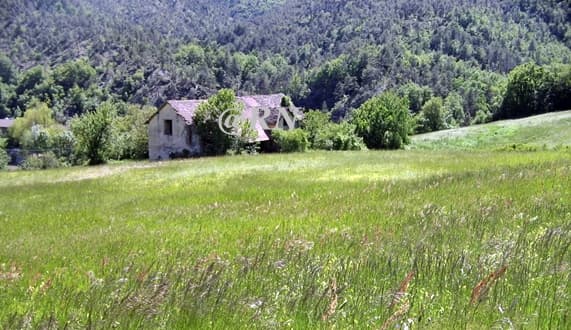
317	240
548	131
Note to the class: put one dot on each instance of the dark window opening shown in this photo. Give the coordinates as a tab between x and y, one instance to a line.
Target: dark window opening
189	136
168	127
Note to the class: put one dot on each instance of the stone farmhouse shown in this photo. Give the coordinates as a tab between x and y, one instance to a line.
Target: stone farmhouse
172	131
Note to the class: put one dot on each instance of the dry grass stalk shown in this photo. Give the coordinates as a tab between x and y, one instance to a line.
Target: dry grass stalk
333	303
481	289
397	315
403	288
399	298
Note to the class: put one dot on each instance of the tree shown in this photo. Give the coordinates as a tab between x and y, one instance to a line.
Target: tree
207	117
130	135
76	73
454	109
528	92
561	89
313	122
93	132
432	116
417	95
39	115
384	122
7	70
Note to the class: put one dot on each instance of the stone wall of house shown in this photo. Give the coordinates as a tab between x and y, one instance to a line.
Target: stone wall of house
182	142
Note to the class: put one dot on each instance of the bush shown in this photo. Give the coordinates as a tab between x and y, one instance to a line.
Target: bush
130	134
4	158
291	141
41	162
383	122
432	116
313	122
93	133
338	137
63	145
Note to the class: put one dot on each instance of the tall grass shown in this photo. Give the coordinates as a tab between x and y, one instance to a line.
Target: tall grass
347	240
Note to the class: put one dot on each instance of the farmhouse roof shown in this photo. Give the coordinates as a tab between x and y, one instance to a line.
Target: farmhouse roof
6	123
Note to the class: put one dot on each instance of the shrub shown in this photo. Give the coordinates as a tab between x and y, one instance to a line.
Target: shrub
291	141
130	135
41	162
313	122
63	145
383	122
93	132
432	116
4	158
338	137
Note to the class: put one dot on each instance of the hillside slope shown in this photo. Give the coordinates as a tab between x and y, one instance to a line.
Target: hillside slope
548	130
332	54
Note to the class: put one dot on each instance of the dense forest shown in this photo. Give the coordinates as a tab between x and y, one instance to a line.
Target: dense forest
329	55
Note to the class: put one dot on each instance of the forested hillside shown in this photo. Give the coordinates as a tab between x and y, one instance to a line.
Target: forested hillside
73	54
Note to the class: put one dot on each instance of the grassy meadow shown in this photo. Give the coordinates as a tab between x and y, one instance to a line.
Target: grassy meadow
543	132
407	239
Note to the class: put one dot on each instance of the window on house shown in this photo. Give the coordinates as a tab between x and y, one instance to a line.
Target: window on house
168	127
189	136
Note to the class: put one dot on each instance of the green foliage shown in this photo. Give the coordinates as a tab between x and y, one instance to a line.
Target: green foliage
340	136
291	140
454	110
206	119
245	141
39	116
41	161
74	74
63	145
528	92
432	117
326	56
7	100
7	69
384	122
417	95
482	117
130	133
93	132
4	159
31	78
313	122
191	54
561	89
